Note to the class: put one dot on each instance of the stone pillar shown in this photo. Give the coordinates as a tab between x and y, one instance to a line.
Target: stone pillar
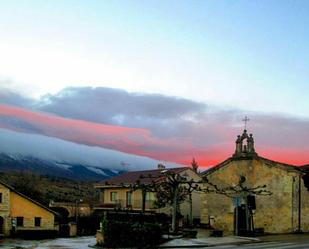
250	142
238	142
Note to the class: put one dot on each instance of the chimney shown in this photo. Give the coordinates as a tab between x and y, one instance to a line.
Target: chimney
161	166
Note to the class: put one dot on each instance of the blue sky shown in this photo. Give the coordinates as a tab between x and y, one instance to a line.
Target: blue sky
245	54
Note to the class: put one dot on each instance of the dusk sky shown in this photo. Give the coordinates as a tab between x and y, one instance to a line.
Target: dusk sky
166	80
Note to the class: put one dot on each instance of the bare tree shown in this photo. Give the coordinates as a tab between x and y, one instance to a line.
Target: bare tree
235	190
173	190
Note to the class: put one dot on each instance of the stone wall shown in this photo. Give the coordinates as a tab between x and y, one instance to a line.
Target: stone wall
304	208
277	213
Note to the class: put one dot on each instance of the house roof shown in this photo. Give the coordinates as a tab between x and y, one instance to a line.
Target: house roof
305	167
26	197
271	163
144	177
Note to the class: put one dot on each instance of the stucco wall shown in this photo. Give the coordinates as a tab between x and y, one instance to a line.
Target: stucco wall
14	205
21	207
137	197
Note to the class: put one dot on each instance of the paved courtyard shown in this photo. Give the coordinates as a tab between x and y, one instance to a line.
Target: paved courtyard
61	243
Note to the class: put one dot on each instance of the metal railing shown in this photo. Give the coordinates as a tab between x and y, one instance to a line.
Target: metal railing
123	204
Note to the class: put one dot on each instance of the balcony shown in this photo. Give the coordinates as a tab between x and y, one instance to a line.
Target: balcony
122	204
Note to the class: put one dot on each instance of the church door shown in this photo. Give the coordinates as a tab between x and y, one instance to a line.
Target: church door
241	220
1	225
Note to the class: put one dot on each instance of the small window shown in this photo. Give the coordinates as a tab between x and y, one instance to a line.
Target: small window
20	221
0	197
150	196
37	221
113	196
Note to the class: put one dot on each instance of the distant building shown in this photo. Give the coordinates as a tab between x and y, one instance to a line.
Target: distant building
73	218
285	210
20	214
117	192
72	209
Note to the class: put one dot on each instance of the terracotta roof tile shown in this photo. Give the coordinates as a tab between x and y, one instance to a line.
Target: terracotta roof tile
144	177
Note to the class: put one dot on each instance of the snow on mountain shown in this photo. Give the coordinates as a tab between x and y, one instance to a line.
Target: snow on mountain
48	155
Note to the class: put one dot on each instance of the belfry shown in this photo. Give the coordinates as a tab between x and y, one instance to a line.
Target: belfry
244	149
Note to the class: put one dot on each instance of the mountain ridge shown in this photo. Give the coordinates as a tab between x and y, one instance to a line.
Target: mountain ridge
15	162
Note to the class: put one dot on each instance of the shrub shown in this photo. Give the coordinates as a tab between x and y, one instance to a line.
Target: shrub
131	234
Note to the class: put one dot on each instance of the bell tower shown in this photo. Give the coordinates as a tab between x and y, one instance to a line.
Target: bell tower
244	149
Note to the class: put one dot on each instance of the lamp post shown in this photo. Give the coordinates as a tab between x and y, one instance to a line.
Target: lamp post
77	213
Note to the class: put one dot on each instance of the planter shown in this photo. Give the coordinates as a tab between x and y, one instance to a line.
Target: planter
188	233
216	233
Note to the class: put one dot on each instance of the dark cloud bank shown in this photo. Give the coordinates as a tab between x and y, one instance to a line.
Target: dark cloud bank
198	124
169	116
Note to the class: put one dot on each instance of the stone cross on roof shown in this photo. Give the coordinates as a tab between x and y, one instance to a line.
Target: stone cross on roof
245	120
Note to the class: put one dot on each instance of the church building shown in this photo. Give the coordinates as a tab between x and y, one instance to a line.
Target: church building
255	194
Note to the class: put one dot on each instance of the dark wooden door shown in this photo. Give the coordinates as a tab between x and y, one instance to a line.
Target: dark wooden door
241	220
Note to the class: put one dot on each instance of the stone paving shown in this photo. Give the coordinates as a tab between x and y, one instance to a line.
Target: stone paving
204	240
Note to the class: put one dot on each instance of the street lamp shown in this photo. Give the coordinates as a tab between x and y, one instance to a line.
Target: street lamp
77	213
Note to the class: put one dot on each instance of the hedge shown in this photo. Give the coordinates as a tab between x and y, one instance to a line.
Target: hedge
131	234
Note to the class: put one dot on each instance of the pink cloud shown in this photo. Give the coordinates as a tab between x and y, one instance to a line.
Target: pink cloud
140	141
130	140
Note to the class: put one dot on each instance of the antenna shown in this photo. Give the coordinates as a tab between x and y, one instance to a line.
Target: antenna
124	165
